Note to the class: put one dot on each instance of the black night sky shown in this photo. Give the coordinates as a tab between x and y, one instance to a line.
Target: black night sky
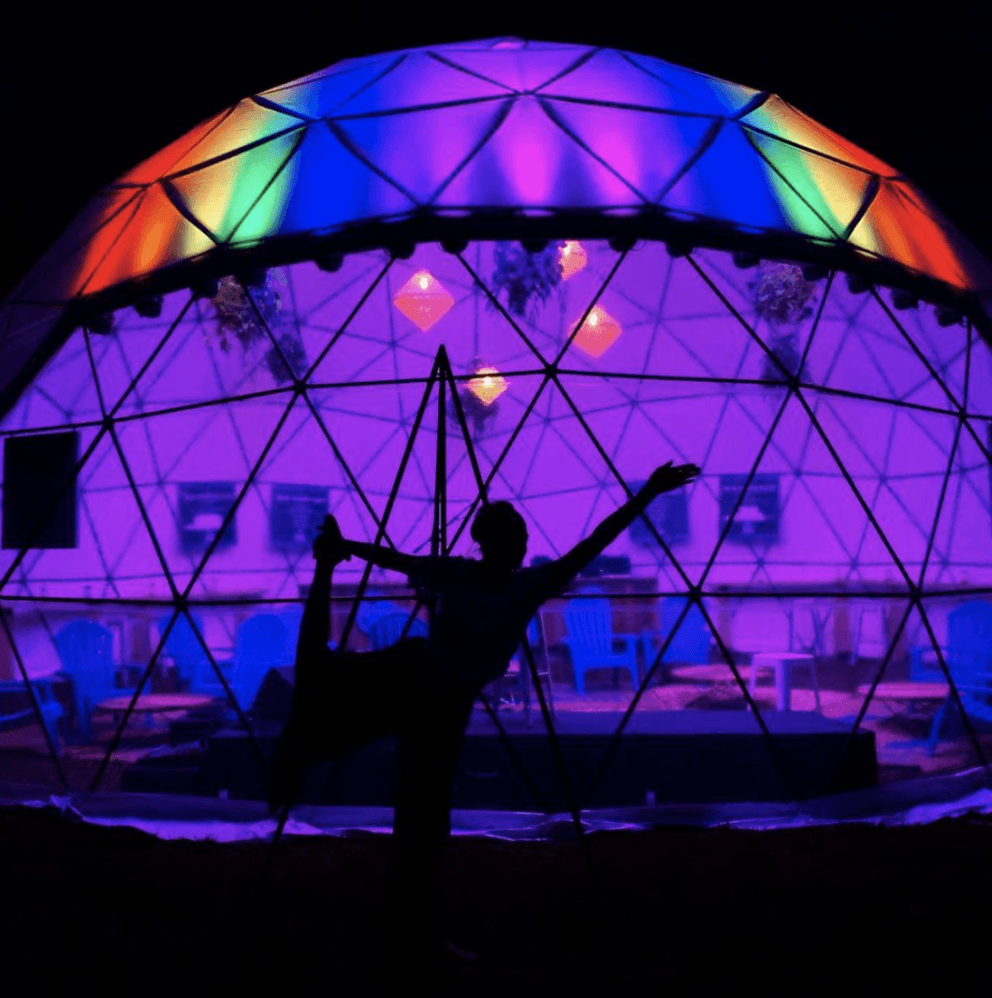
85	96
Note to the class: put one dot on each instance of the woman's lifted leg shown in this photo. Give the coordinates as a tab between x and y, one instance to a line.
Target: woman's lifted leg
297	743
342	700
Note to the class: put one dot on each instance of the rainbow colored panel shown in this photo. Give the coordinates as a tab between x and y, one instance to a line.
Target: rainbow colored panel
497	124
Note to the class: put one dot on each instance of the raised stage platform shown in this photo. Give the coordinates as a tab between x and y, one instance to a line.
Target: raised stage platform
663	757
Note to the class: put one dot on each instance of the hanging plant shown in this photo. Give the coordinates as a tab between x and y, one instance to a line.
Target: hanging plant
786	349
782	296
527	278
294	354
239	319
479	398
478	414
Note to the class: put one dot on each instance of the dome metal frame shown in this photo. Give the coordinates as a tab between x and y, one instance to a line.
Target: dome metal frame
34	324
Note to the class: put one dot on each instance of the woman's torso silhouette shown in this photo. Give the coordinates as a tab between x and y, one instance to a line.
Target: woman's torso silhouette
480	616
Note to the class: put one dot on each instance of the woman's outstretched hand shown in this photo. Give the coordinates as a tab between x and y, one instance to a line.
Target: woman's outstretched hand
669	477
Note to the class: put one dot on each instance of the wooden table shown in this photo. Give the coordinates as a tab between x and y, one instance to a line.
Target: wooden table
915	696
718	677
155	703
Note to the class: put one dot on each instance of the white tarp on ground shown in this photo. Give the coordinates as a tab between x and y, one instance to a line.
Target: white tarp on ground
910	802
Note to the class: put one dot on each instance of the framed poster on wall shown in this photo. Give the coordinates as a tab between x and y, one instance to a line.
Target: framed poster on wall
202	508
39	490
669	514
297	513
757	519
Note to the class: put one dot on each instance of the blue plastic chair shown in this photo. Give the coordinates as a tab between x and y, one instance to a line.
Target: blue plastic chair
194	668
261	644
51	709
291	620
388	629
969	660
593	645
535	638
85	649
370	611
691	643
518	681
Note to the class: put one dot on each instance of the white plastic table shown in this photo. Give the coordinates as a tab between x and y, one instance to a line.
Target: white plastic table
781	662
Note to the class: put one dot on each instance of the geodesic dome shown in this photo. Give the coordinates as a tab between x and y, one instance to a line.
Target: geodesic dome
420	280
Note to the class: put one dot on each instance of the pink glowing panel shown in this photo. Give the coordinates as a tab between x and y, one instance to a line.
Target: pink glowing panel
598	333
424	300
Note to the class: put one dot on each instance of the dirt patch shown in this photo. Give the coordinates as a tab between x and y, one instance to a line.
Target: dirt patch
840	910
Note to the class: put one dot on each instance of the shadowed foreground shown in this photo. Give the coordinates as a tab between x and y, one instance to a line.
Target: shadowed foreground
841	910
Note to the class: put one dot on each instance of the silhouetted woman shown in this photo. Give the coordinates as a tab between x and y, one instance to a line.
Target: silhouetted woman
423	689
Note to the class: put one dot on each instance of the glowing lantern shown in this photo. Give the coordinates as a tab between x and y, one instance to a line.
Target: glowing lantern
487	385
598	333
571	258
424	300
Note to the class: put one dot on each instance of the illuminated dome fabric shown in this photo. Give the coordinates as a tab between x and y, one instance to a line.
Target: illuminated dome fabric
215	416
476	128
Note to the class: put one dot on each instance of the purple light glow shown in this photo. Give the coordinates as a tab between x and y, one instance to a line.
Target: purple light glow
873	427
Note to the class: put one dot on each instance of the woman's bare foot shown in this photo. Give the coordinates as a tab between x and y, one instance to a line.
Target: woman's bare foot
330	547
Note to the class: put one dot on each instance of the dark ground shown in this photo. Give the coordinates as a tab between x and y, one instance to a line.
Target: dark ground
829	910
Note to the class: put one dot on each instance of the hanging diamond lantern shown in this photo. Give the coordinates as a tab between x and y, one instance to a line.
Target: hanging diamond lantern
572	257
598	333
424	300
487	385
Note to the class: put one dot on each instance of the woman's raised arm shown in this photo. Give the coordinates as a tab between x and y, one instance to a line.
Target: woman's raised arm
663	479
383	557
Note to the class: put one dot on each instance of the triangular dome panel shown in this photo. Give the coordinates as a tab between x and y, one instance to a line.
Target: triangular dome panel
404	148
701	92
897	227
322	94
858	348
962	544
701	191
647	149
780	119
220	195
606	78
156	233
421	79
164	161
821	196
532	163
331	185
519	71
248	124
